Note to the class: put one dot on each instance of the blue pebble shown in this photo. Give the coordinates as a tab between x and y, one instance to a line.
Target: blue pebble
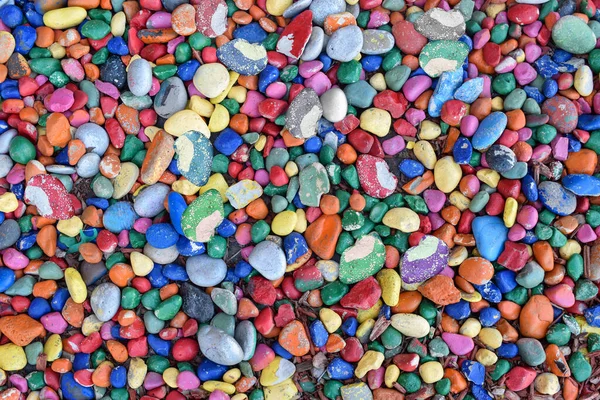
556	198
349	326
574	144
268	75
11	15
81	361
313	145
411	168
187	70
25	37
592	316
119	217
445	87
489	292
226	228
38	308
118	376
458	311
473	371
489	130
490	235
327	62
62	157
386	312
529	238
489	316
162	235
340	370
117	46
534	93
252	33
561	55
505	280
156	277
480	393
242	269
71	390
550	88
582	185
507	350
160	346
298	79
10	93
26	241
281	352
175	272
59	299
371	63
557	312
210	371
589	122
294	246
177	206
230	276
3	126
237	61
187	248
318	333
462	151
115	331
98	203
469	91
173	168
34	18
529	188
546	67
7	278
228	141
297	203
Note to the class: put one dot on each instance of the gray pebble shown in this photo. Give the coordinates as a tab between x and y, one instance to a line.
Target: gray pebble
9	233
5	140
225	300
296	8
353	9
304	114
94	137
88	165
500	158
334	104
268	259
322	8
245	335
151	199
206	271
196	303
63	169
91	273
6	165
315	44
161	256
105	301
219	347
136	102
139	77
438	24
376	41
531	275
171	97
345	43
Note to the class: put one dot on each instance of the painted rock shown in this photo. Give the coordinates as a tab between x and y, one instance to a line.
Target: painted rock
375	176
303	114
139	77
194	157
438	24
314	183
408	40
442	55
243	193
218	346
211	17
345	43
441	290
562	113
365	258
268	259
322	235
295	36
171	98
205	271
556	198
377	41
572	34
489	130
50	197
425	260
105	301
159	156
243	57
203	216
277	371
582	185
490	235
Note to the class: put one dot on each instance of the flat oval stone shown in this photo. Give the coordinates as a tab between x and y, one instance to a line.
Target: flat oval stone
411	325
211	79
345	43
245	335
500	158
105	301
425	260
205	271
363	259
438	24
94	137
489	130
582	185
171	98
10	231
49	196
194	157
314	183
268	259
556	198
572	34
313	48
150	201
218	346
139	77
377	41
303	114
490	235
119	217
243	57
562	113
442	55
197	304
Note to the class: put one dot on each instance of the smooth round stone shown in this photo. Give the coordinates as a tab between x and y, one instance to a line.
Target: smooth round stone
411	325
424	261
345	43
211	79
438	24
562	113
442	55
63	18
219	347
572	34
268	259
582	185
489	130
161	256
402	218
335	104
94	137
139	77
10	231
194	157
150	201
243	57
447	174
531	351
314	47
88	165
206	271
500	158
531	275
556	198
119	217
171	98
245	335
376	41
197	303
105	301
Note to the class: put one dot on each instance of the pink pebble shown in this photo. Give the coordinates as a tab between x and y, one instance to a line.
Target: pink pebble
262	177
61	100
309	68
187	380
218	395
54	322
586	234
159	20
105	330
172	44
375	378
141	225
393	146
481	38
276	90
415	116
312	213
19	382
469	125
436	220
525	134
447	271
16	174
415	86
525	73
108	89
560	148
250	106
561	295
153	380
532	52
458	344
156	86
541	152
14	259
434	199
123	238
528	217
516	233
319	82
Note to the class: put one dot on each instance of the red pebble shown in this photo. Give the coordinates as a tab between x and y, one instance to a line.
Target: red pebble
138	347
262	291
185	349
285	315
523	14
519	378
363	295
353	350
514	256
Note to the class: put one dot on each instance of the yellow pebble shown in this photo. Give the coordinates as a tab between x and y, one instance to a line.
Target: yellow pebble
63	18
547	383
376	121
371	313
284	222
184	121
497	104
136	373
185	187
219	119
510	212
75	284
486	357
570	248
8	202
233	77
201	106
291	169
425	154
489	177
286	390
371	360
33	396
585	327
127	177
431	371
352	2
53	347
260	143
518	54
232	376
170	377
410	145
239	396
402	218
491	337
447	174
13	357
151	131
584	81
90	325
70	227
471	297
429	130
378	82
277	7
471	328
142	264
457	256
493	9
117	24
364	330
301	222
392	373
238	93
330	319
390	283
217	182
459	200
57	51
211	386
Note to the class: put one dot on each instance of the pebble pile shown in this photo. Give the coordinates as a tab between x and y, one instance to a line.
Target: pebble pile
309	199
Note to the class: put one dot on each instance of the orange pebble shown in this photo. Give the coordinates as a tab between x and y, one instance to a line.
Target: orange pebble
257	209
357	201
329	204
346	154
407	302
121	274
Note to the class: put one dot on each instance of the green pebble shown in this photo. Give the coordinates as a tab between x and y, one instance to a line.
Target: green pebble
45	66
543	231
224	322
558	334
515	100
442	386
22	287
396	77
376	346
259	231
100	56
326	155
395	200
50	270
344	241
545	134
35	380
137	240
220	163
163	72
168	308
352	220
503	84
270	42
410	381
391	59
592	217
575	266
151	299
198	41
427	309
517	295
217	247
499	33
21	150
232	106
34	253
153	325
95	29
417	204
593	342
334	172
130	148
438	348
130	298
558	239
288	73
399	240
580	366
119	394
256	394
183	53
333	292
585	290
391	338
98	14
32	352
59	79
115	258
98	357
332	389
501	368
349	72
38	52
364	230
350	175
